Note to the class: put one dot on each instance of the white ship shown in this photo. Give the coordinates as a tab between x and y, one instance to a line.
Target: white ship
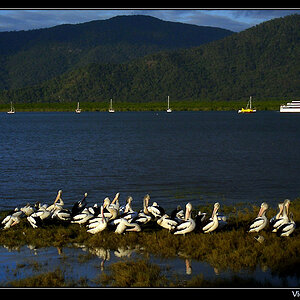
290	107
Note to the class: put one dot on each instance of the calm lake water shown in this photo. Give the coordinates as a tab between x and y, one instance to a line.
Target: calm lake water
201	157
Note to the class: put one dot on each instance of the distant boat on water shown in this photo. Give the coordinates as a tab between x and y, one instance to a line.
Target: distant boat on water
111	110
248	109
169	110
12	109
290	107
78	110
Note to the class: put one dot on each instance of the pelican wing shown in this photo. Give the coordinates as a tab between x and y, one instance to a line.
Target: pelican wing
258	224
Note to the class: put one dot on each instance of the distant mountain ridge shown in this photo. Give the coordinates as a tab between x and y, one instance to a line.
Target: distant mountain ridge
262	61
34	56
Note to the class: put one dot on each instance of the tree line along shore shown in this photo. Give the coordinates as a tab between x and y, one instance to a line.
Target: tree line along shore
265	105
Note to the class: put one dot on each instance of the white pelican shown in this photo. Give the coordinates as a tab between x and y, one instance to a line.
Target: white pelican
125	226
287	228
284	218
143	216
83	217
61	214
278	215
115	203
129	214
56	204
156	210
100	225
12	218
40	216
111	212
168	223
27	209
214	221
188	224
261	221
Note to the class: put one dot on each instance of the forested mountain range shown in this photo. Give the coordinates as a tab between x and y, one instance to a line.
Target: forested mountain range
262	61
33	56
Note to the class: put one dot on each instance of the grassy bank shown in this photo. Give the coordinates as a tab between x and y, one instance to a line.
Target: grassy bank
231	248
143	106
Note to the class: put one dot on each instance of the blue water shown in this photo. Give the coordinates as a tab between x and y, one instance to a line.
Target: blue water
201	157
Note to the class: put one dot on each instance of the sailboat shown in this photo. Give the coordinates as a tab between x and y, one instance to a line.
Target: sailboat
248	108
169	109
111	110
78	110
12	109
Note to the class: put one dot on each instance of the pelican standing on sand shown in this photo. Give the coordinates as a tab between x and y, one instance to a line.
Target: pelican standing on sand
188	225
261	221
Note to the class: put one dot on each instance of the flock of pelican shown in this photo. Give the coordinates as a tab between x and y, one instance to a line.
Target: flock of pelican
123	218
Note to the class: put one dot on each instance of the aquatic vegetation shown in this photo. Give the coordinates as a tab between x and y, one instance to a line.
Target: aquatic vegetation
231	248
140	273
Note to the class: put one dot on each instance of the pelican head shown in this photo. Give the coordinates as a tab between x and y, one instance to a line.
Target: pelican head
264	206
85	195
188	209
106	202
286	204
216	207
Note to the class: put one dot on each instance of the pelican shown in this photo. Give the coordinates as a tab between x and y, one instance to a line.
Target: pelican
278	215
115	203
177	214
213	221
261	221
287	228
61	214
166	222
100	225
111	212
124	226
129	214
27	209
284	218
55	203
156	210
143	216
188	224
40	216
12	218
82	217
79	206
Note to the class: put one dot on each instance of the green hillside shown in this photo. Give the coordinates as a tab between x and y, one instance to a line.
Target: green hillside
31	57
262	61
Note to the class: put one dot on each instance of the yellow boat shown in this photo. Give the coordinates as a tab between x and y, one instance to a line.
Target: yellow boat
248	108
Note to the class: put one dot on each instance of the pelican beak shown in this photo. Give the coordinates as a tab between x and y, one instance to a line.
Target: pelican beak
260	211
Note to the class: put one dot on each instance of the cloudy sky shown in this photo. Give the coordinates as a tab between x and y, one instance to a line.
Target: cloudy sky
232	19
